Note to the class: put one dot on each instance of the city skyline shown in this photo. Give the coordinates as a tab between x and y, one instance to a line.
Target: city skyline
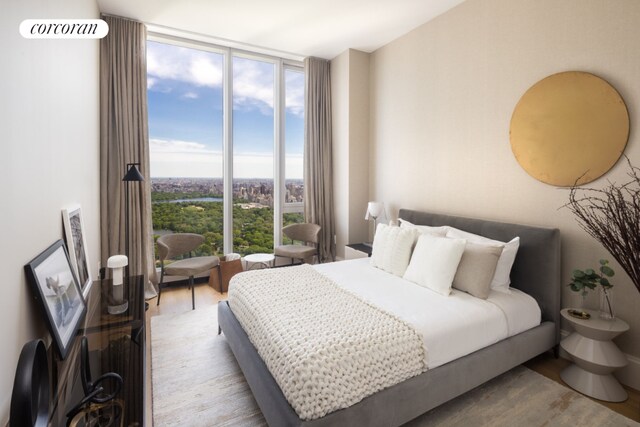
253	190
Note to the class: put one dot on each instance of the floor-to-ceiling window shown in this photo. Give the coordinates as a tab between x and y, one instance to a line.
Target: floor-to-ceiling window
253	155
184	87
216	113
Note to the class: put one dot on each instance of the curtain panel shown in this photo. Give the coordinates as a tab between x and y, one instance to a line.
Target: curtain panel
124	139
318	157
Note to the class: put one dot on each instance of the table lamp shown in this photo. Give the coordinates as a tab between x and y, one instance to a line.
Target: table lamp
375	210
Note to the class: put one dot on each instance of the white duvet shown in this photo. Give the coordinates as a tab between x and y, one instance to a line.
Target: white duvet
451	327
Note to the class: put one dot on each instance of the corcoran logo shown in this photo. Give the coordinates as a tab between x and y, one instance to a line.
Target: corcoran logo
64	28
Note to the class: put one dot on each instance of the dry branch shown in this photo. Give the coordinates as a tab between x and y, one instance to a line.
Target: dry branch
611	215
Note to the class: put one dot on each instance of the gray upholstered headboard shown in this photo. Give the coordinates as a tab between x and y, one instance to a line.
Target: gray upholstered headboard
536	269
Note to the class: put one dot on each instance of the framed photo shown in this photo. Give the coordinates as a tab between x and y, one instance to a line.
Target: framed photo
56	287
77	245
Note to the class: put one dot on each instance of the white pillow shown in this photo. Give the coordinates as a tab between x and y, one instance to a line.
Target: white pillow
501	278
434	262
392	247
434	231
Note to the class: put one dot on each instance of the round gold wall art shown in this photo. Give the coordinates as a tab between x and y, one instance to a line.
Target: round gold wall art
569	128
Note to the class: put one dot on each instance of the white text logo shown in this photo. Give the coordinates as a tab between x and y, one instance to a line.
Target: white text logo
63	28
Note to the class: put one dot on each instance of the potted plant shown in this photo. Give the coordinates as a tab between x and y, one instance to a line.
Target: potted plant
581	281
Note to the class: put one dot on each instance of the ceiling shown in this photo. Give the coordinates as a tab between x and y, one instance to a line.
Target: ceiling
293	28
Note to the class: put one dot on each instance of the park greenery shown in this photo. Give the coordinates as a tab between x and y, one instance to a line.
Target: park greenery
252	228
162	196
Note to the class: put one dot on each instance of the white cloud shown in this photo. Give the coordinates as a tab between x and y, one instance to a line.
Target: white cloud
205	71
157	145
183	64
294	92
253	85
190	95
186	165
293	166
173	158
253	81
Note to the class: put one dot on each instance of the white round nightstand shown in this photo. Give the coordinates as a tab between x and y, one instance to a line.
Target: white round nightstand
253	260
595	356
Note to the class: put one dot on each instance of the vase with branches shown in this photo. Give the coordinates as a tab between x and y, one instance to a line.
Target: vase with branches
581	281
611	215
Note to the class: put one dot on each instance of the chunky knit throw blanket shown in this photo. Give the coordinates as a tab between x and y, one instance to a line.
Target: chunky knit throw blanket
326	348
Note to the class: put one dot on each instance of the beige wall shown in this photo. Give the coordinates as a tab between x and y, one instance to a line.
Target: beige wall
340	137
49	137
442	98
359	145
350	119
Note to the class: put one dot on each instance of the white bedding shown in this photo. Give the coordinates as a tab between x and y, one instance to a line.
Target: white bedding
452	326
325	347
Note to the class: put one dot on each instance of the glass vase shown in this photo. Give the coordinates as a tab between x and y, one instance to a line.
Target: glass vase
606	303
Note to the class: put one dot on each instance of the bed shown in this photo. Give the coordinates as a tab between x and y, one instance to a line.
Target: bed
536	272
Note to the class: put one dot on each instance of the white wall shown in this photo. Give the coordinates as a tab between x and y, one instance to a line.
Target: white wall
350	120
49	133
441	102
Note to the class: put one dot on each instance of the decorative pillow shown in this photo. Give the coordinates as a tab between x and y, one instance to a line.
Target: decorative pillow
476	269
434	262
392	247
501	280
434	231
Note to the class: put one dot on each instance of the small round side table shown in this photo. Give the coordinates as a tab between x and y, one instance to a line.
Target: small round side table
595	356
253	260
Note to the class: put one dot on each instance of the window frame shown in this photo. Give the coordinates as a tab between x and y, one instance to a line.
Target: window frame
280	65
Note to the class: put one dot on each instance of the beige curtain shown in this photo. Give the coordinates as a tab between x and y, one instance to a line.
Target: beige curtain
124	139
318	167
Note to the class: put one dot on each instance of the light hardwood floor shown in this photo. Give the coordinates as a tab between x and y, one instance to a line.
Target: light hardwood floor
178	300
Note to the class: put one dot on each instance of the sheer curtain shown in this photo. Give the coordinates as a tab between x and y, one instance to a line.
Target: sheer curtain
124	139
318	164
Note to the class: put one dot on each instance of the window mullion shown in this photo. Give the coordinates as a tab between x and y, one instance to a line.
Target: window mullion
227	217
278	164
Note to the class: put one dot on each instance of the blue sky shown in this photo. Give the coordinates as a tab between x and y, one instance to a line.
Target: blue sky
185	114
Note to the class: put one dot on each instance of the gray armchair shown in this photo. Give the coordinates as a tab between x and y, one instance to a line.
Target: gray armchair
305	233
173	245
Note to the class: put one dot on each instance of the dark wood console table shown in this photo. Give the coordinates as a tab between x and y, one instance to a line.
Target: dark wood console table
116	344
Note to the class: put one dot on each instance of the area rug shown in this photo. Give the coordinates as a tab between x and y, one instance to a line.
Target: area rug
197	382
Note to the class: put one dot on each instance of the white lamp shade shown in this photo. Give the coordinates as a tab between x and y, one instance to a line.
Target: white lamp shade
375	210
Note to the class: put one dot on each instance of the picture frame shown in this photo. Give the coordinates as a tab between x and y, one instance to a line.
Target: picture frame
57	289
77	246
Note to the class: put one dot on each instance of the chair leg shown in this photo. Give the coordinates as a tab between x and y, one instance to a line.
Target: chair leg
160	287
220	279
193	293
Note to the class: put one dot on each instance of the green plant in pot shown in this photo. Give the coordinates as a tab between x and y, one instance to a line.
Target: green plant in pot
582	281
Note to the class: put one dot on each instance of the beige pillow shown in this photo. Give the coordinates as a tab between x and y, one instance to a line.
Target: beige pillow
501	278
476	269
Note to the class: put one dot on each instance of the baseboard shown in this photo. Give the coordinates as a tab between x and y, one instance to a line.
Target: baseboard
629	375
